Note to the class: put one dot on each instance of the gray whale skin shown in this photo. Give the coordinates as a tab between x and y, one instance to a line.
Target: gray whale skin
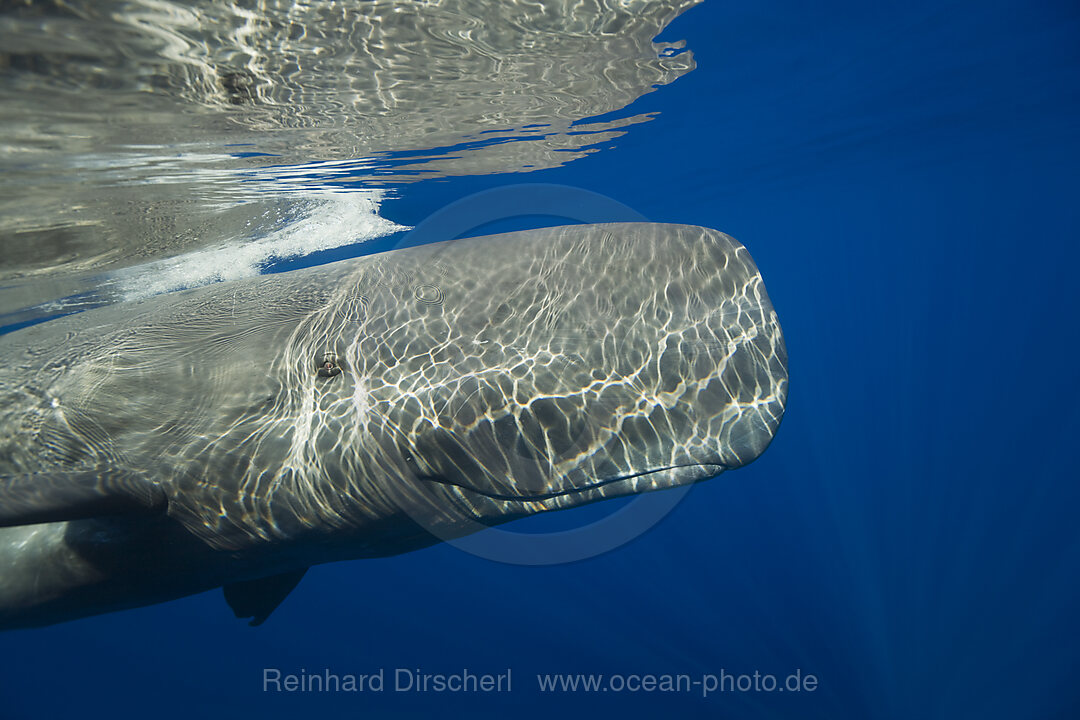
234	435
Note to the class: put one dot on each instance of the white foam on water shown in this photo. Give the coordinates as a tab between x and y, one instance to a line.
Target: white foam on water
330	220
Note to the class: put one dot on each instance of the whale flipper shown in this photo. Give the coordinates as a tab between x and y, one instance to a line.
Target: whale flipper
60	496
256	599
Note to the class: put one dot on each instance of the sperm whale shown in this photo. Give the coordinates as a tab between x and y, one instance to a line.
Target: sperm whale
236	434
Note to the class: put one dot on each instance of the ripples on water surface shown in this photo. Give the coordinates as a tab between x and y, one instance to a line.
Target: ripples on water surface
150	145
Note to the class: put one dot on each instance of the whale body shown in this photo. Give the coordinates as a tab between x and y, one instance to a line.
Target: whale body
234	435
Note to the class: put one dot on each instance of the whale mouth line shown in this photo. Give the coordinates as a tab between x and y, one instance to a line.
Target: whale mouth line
715	469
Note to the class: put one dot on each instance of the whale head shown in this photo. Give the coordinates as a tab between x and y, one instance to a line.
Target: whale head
498	377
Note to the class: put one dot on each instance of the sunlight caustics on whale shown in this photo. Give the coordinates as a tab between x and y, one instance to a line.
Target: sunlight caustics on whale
234	435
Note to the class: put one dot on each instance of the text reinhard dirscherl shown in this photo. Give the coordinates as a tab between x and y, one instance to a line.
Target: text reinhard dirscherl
400	680
467	681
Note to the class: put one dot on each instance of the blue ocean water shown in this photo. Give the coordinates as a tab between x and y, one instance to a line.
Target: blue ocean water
905	176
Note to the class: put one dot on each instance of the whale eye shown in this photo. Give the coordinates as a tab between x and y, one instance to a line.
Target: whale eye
328	366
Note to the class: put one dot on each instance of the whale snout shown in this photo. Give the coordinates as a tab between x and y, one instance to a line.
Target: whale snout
649	357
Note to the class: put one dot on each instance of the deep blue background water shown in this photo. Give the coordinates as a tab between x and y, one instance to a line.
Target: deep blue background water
906	178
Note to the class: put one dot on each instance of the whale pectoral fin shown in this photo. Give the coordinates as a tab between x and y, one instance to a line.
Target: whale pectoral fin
256	599
58	496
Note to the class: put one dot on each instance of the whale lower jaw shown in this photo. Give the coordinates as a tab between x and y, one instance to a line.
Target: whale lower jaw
644	481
